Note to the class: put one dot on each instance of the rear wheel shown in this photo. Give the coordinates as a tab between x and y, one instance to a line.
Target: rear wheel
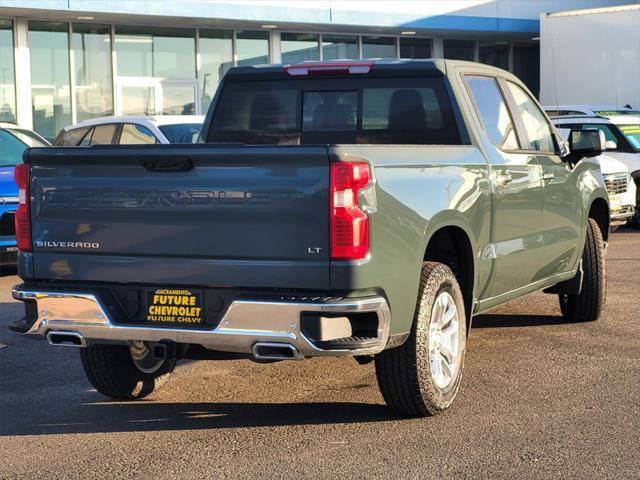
588	304
635	220
125	372
422	376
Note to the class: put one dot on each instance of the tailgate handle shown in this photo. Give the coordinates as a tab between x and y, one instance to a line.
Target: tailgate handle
168	164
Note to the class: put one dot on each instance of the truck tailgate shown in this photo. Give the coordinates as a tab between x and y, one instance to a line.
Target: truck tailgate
198	214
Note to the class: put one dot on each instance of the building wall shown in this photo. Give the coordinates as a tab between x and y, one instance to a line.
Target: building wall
63	61
591	57
494	15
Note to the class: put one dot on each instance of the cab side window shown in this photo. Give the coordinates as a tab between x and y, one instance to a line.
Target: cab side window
133	134
534	121
493	111
103	134
71	138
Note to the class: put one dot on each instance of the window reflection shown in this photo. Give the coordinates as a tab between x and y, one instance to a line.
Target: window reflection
252	48
216	57
415	48
493	111
92	65
496	54
298	47
459	49
379	47
7	78
151	52
339	46
50	86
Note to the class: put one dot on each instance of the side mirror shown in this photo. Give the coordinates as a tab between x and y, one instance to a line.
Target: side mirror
585	143
611	145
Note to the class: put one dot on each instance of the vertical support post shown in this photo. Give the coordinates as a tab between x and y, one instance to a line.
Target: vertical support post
275	50
24	106
114	71
199	93
72	76
438	47
511	57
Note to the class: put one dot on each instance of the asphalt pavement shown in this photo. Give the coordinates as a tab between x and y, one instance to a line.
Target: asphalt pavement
540	398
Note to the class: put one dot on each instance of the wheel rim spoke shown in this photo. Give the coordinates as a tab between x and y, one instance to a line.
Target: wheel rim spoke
444	340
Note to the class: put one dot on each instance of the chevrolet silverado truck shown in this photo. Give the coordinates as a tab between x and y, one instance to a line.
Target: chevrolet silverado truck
347	208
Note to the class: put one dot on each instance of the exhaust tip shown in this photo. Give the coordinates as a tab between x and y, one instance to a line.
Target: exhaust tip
66	339
276	351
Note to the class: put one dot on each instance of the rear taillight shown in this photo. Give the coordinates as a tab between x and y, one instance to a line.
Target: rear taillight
349	224
23	215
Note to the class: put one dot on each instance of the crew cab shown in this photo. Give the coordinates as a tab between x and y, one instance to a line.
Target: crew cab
347	208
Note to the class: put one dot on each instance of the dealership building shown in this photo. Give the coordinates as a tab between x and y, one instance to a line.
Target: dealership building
64	61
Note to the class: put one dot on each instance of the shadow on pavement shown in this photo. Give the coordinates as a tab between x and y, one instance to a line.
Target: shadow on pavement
510	320
8	270
103	417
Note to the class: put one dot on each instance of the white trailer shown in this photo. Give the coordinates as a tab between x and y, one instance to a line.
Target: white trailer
591	57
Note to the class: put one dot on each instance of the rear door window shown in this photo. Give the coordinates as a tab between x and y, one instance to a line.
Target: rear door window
330	111
103	134
134	134
493	112
534	121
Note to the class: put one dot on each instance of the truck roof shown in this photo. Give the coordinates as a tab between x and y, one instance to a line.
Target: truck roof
427	66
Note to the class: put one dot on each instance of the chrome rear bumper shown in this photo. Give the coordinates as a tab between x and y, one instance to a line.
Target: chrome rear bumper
243	325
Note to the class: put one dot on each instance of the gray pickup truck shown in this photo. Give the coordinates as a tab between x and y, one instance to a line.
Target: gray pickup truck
367	209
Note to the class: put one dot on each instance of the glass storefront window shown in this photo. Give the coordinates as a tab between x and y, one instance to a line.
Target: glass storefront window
336	47
138	100
7	73
526	65
149	62
459	49
299	47
252	48
379	47
496	54
155	52
216	57
415	47
92	70
50	86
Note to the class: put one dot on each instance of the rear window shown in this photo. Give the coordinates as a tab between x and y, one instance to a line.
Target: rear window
362	111
181	132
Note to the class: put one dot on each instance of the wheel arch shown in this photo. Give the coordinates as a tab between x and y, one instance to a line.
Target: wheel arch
452	245
599	211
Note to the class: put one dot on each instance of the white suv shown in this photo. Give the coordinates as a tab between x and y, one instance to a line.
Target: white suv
591	110
131	130
620	163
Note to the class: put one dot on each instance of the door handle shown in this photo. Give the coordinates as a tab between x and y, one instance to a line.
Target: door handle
548	176
504	179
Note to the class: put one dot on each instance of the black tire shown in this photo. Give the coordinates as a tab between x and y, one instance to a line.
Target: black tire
112	372
587	306
635	220
404	373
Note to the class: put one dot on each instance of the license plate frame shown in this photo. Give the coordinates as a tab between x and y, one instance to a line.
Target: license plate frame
175	307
